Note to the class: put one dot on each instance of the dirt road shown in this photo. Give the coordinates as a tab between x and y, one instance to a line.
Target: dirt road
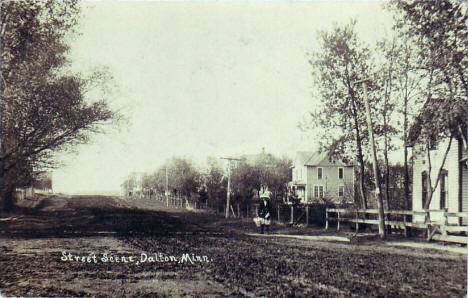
177	253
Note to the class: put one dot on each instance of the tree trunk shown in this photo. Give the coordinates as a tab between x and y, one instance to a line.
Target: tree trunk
378	192
387	170
358	143
360	159
385	114
432	188
407	179
8	199
387	180
361	176
405	140
361	164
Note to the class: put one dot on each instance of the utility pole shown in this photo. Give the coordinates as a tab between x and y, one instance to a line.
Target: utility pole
378	193
167	189
228	194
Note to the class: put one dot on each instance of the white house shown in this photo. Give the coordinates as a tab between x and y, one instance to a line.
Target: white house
451	190
315	176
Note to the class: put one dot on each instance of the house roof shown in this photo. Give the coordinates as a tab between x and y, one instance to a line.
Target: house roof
253	158
250	158
313	158
302	157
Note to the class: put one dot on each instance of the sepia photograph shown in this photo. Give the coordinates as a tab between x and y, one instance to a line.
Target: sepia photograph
171	148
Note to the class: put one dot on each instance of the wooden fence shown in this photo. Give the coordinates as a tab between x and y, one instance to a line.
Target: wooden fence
447	226
179	202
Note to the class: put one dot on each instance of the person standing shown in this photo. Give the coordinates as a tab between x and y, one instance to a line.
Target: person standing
264	212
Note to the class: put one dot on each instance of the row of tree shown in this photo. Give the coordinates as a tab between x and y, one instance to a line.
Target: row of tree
415	77
44	106
208	183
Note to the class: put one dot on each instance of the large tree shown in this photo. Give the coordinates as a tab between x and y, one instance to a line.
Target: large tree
183	176
341	62
385	109
274	173
246	181
214	183
439	32
44	107
409	86
401	86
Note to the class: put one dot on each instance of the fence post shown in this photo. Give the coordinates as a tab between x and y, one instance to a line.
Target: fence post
307	215
278	208
326	219
292	214
444	231
427	219
405	228
338	221
357	223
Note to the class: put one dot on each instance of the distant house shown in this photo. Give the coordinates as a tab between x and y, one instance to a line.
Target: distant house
252	159
452	189
133	185
316	177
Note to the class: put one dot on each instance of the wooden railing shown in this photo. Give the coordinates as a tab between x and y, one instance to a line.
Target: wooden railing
404	219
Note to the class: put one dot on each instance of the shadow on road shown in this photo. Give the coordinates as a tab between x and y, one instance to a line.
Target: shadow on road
95	215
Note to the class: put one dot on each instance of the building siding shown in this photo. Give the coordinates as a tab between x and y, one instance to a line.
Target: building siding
299	174
329	181
464	191
451	165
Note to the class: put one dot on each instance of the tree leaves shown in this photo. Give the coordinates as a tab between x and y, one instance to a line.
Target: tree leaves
437	29
44	109
341	61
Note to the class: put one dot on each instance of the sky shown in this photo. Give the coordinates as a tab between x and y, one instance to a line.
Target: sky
198	79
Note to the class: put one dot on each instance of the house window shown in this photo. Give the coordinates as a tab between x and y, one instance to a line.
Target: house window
318	191
340	173
319	173
443	189
341	191
424	188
